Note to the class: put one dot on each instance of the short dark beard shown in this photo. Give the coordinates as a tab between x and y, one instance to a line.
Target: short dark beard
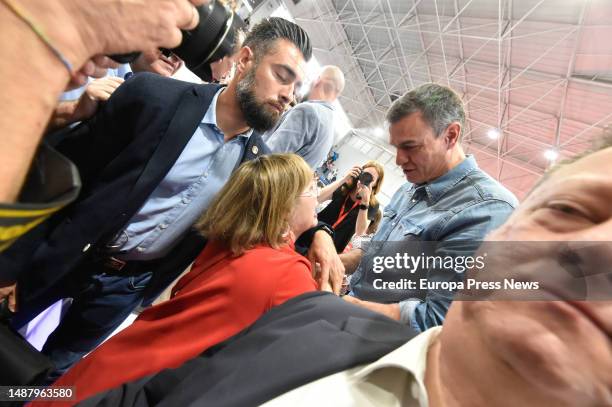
255	112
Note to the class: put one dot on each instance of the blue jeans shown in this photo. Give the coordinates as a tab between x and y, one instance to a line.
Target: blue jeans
103	302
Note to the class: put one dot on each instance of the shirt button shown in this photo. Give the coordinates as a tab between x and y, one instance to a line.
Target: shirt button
394	223
163	226
140	249
205	175
86	247
186	200
413	200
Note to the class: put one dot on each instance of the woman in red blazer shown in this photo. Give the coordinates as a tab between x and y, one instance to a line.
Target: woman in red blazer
247	267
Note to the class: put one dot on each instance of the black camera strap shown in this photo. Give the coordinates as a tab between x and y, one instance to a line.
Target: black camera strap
52	183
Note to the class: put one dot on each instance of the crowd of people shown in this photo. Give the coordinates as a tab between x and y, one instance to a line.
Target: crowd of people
143	183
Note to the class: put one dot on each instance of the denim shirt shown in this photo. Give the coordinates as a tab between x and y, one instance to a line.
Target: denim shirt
457	210
306	130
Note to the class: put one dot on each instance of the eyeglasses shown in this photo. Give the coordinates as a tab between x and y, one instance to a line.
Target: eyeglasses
312	192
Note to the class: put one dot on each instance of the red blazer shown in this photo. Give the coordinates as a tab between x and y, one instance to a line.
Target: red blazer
219	297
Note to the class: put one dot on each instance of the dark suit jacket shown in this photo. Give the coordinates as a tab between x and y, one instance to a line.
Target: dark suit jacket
122	153
308	337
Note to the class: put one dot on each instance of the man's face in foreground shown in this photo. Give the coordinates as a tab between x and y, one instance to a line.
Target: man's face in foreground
541	353
266	87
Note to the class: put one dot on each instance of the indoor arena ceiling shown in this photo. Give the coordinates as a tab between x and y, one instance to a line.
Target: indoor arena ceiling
535	75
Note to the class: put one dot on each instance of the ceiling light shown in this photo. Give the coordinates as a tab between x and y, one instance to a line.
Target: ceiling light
493	134
551	155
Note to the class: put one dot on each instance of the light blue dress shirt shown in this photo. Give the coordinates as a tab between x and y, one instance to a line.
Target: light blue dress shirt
306	130
457	209
183	195
119	72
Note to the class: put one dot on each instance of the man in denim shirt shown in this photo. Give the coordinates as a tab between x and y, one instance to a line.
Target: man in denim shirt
447	200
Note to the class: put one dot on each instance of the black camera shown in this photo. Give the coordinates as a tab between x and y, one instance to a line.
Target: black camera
213	39
365	178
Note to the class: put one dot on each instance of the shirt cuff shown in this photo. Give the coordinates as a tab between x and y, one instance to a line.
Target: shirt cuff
407	308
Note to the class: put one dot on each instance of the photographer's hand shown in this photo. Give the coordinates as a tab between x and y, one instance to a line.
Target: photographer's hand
43	60
362	222
96	67
327	192
364	191
352	174
83	27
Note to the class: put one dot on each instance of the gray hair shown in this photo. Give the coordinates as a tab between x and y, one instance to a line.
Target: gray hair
440	106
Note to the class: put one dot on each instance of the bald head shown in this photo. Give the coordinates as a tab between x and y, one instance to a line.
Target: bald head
334	76
328	85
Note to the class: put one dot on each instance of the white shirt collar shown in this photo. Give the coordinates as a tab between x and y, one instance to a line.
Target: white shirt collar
411	357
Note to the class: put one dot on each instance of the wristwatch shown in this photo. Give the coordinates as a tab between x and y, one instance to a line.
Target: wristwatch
326	228
363	207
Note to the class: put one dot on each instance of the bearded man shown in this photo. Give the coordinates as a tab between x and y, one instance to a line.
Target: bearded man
151	160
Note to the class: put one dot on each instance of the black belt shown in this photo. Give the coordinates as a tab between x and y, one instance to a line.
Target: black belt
113	265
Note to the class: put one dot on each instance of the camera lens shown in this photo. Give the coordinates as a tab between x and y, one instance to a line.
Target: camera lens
213	38
365	178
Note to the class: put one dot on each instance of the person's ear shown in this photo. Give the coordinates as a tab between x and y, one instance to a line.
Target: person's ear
244	59
453	131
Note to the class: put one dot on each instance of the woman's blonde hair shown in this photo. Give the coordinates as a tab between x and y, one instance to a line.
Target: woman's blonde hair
254	205
381	176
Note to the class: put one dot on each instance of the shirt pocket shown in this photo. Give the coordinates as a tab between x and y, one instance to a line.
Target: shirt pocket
389	214
410	230
386	225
